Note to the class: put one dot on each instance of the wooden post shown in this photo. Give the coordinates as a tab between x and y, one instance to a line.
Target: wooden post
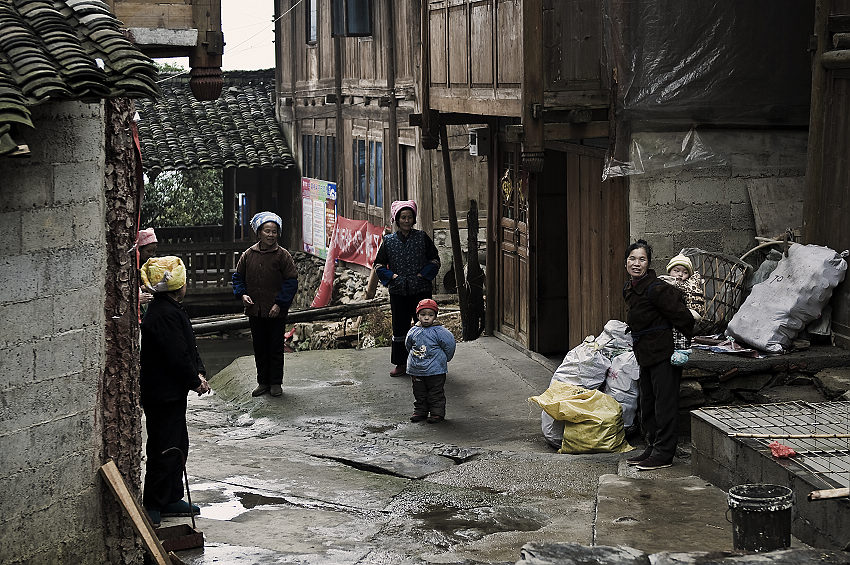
392	167
813	197
457	257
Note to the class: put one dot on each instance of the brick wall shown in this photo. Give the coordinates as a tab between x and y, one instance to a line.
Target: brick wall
52	271
710	208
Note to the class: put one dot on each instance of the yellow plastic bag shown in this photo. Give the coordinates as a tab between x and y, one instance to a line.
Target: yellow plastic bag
594	420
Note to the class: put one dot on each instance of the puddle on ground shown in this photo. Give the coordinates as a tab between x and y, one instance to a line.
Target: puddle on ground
224	502
460	525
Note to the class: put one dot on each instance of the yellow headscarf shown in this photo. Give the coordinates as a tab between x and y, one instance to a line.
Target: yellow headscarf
164	274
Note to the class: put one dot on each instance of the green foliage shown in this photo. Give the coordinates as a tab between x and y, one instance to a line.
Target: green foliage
167	67
183	198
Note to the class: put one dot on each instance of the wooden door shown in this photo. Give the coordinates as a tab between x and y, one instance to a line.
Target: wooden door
513	269
597	234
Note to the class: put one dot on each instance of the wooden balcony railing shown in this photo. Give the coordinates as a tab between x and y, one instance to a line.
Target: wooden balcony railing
209	265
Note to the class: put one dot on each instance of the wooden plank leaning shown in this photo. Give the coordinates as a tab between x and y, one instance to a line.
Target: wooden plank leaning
138	516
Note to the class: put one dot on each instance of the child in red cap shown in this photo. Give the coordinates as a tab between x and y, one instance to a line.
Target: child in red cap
430	347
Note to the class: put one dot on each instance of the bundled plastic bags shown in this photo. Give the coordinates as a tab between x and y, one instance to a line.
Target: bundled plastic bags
791	297
593	421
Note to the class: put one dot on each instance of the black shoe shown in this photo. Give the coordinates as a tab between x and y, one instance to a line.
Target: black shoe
638	459
418	417
435	419
276	390
154	516
260	390
654	463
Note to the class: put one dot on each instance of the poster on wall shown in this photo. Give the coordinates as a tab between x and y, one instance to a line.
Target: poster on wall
318	215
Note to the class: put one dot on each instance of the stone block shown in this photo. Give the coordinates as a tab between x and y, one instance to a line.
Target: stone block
89	222
664	219
17	367
51	400
94	346
60	355
70	132
702	190
702	217
702	437
834	382
30	447
690	394
22	277
47	228
39	321
24	187
10	233
663	192
77	182
75	267
78	309
738	242
742	217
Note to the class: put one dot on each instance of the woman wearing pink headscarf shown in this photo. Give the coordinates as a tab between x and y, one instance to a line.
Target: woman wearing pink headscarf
406	263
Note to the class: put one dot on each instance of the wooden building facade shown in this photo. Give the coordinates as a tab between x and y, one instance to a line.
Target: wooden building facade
565	96
569	89
346	102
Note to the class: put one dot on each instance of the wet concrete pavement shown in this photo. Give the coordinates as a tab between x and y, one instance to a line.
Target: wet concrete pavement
333	471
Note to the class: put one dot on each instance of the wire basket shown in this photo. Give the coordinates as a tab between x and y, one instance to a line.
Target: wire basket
723	278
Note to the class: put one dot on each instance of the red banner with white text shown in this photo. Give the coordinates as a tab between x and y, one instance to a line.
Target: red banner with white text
354	241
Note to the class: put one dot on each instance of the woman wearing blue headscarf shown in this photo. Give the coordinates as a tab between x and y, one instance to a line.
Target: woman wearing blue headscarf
266	281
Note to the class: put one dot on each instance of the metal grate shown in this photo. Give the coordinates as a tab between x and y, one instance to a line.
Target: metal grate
806	423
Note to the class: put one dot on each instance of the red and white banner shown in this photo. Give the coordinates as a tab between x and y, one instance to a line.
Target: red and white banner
354	241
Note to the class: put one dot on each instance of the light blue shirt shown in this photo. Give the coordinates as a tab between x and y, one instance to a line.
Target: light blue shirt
430	350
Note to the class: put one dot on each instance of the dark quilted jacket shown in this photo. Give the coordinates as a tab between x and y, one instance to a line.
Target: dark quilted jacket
654	309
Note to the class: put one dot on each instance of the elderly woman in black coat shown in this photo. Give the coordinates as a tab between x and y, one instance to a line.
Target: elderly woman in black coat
654	309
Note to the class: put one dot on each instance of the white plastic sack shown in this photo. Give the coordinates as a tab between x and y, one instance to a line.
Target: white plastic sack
614	336
585	365
623	383
553	430
794	295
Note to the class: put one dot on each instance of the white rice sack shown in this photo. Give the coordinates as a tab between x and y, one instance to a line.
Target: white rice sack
585	365
796	293
553	430
623	383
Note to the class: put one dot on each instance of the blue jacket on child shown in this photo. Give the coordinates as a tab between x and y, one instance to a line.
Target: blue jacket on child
430	350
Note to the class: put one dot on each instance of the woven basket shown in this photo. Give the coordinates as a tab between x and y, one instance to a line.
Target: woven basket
723	277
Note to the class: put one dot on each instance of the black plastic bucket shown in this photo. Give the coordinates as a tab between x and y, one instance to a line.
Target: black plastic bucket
761	517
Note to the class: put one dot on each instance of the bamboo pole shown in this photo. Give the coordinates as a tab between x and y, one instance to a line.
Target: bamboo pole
826	494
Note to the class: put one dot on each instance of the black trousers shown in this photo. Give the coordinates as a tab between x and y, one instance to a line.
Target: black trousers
429	395
166	426
404	315
659	407
267	339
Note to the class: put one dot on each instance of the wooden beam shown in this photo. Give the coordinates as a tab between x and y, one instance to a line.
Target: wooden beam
457	258
560	131
138	516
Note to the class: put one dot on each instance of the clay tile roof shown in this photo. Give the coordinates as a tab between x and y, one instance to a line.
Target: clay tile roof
178	132
62	50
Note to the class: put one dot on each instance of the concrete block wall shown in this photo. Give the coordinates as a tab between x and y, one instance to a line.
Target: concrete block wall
52	272
710	208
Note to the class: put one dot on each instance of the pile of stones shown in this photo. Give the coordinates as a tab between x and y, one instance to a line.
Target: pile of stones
349	285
